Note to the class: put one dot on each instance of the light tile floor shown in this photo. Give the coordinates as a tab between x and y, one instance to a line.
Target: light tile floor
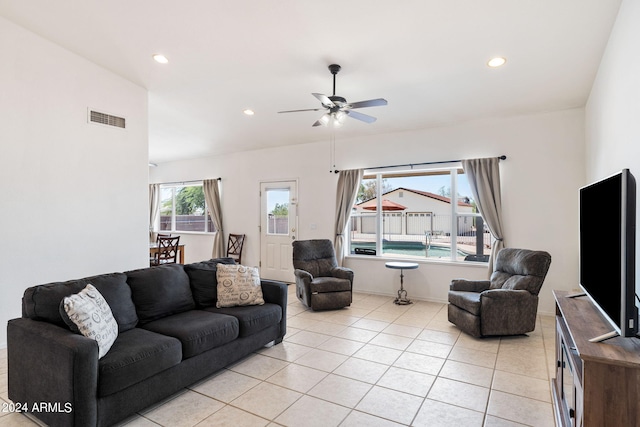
372	364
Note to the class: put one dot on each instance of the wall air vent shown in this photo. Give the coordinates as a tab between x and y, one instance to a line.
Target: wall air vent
106	119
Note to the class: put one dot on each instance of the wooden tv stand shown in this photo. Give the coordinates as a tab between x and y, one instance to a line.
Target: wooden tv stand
596	384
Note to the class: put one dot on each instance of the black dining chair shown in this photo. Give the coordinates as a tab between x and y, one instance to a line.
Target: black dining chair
167	252
234	247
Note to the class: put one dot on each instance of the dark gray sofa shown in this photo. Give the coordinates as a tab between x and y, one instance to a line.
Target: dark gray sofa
170	335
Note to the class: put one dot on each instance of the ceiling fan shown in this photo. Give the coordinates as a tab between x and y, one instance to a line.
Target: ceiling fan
338	108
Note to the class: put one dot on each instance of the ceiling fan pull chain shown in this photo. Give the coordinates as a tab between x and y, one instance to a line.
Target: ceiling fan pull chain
332	151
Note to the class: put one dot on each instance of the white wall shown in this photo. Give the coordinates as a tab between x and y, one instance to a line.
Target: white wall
613	108
540	180
74	195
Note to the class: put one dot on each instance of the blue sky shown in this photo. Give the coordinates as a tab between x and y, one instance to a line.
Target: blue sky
432	183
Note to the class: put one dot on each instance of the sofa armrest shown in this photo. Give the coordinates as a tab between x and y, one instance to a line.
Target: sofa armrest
469	285
276	293
342	273
33	348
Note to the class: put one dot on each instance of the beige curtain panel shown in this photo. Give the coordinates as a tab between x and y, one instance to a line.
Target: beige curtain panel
484	180
212	196
154	205
346	193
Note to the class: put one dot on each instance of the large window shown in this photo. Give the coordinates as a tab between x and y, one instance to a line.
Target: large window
428	214
183	208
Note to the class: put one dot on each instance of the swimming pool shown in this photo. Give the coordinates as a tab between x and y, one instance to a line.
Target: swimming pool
416	249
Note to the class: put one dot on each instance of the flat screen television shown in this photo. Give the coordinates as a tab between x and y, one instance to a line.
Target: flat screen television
607	250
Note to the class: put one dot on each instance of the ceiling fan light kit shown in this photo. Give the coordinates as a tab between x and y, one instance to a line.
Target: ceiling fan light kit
338	108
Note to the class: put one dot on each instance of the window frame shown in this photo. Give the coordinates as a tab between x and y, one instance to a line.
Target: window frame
453	171
174	187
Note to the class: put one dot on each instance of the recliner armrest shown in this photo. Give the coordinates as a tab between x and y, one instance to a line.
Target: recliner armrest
303	275
342	273
469	285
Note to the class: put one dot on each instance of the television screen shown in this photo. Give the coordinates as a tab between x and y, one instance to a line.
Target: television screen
607	249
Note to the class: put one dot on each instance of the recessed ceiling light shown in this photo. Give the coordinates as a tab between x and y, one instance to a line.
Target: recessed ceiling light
160	58
248	112
496	62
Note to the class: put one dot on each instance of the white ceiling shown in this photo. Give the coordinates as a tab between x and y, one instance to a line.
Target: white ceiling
426	57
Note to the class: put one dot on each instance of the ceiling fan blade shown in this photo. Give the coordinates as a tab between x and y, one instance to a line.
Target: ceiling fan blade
324	99
369	103
296	111
359	116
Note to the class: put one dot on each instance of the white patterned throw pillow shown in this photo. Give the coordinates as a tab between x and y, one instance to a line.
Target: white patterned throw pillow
238	285
89	311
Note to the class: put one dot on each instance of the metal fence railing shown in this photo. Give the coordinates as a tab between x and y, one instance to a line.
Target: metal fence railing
416	232
186	223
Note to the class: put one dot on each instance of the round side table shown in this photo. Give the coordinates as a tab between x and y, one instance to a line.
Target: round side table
402	294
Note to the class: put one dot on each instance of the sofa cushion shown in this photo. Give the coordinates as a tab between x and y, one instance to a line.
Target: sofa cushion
137	354
43	302
197	330
252	318
160	291
238	285
202	277
468	301
88	313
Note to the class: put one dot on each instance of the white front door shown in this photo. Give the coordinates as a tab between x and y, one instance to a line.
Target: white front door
278	229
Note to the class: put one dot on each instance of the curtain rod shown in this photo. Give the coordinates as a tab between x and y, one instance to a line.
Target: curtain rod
411	165
187	182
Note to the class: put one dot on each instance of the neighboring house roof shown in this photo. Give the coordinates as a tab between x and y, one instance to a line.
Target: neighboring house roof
422	193
387	205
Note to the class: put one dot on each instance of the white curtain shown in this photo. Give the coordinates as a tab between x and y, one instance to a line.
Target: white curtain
212	196
154	204
347	191
484	180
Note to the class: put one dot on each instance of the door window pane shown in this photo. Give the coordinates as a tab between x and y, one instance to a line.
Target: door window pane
278	211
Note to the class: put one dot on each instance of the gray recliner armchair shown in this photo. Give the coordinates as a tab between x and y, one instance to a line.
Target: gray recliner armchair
506	304
320	283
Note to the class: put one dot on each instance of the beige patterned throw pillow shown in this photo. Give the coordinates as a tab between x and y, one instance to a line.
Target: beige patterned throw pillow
92	315
238	285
